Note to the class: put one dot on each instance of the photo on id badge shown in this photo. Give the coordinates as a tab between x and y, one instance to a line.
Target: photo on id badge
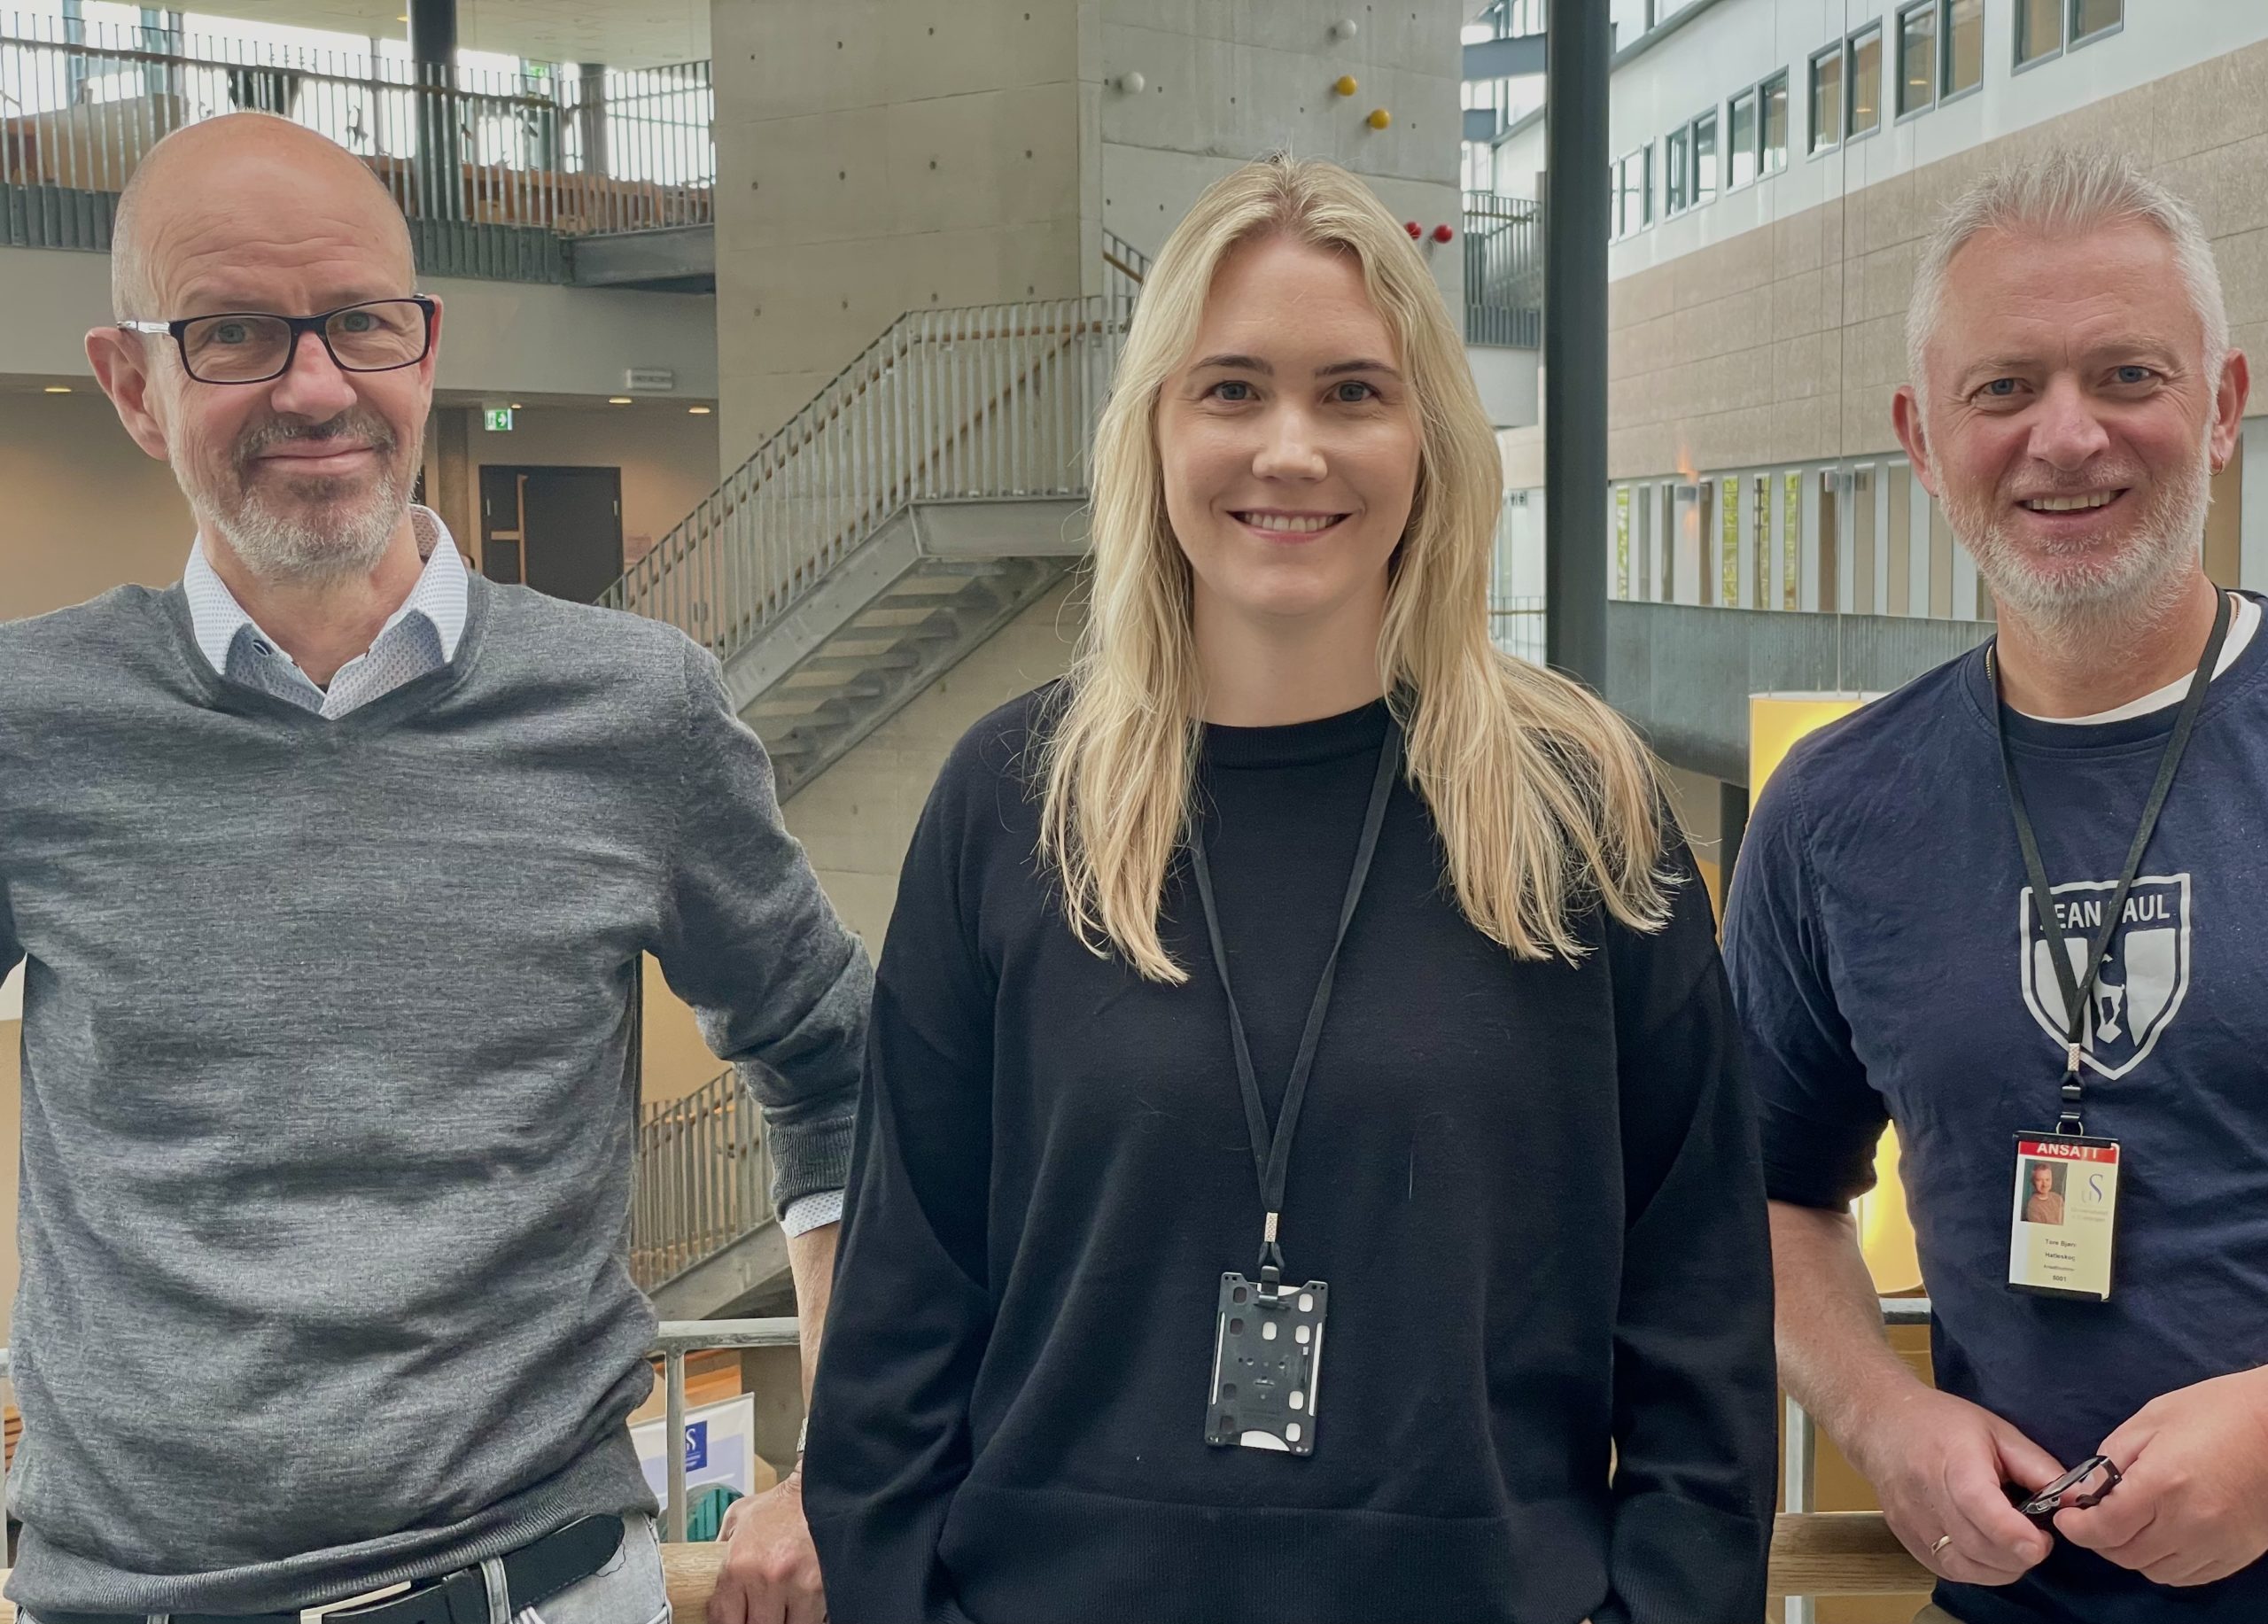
2063	1217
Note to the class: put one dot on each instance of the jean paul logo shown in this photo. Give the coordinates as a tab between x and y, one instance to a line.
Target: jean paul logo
2145	971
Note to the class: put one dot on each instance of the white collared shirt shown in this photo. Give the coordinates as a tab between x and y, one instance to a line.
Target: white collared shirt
418	638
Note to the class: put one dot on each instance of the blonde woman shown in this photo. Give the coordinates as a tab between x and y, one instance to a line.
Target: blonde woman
1303	1171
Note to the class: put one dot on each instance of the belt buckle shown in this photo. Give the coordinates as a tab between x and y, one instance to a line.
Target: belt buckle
464	1597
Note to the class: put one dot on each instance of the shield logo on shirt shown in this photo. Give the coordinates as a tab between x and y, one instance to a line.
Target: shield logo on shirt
2145	970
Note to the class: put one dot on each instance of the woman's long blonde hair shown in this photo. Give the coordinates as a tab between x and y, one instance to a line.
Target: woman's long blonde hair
1546	803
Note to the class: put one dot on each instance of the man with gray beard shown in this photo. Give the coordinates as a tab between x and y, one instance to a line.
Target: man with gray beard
2013	909
331	869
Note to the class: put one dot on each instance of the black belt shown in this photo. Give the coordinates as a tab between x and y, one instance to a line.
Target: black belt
533	1573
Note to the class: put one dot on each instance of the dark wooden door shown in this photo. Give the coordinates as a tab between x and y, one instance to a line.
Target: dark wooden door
558	530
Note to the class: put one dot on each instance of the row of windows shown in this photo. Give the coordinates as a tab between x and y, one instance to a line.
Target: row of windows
1861	536
1940	56
1747	140
1939	47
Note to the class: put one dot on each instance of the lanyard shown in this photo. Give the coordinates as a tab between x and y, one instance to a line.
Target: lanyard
2076	991
1271	1153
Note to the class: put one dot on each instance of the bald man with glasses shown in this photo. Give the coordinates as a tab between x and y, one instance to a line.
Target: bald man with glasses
332	868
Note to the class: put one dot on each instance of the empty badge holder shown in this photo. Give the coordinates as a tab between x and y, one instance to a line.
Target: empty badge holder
1267	1358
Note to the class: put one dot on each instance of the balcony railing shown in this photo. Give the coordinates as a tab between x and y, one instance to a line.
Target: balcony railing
1517	626
1504	271
553	155
704	1179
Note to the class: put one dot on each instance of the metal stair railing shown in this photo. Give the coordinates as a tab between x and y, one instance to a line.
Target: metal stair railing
704	1179
1125	267
993	400
989	402
1504	271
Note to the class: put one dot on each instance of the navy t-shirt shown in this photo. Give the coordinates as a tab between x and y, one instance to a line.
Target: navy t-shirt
1886	963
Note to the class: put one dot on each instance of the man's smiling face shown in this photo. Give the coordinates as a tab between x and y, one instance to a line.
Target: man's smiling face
2069	415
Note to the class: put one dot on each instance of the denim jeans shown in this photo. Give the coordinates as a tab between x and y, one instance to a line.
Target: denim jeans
627	1591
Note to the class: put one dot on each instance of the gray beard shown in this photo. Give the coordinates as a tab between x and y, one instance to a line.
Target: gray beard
346	540
2137	585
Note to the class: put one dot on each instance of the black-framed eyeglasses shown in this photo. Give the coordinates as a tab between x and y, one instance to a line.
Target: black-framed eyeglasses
2059	1493
252	346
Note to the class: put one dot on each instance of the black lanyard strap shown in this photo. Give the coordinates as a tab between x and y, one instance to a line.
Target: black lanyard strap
1271	1153
2077	991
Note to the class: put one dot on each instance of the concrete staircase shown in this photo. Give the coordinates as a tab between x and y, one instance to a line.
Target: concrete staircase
933	582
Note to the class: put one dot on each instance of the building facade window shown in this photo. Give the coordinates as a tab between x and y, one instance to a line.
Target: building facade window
1632	179
1864	77
1917	58
1759	526
1856	537
1740	141
2039	30
1677	171
1963	33
1728	552
1621	541
2090	18
1630	20
1826	99
1773	138
1704	157
1791	539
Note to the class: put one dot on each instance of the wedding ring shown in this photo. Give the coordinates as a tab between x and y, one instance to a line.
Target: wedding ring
1944	1540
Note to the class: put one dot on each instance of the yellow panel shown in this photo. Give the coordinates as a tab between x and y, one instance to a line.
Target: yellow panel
1776	721
677	1058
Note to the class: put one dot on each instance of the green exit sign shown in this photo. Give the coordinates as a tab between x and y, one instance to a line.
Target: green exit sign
499	419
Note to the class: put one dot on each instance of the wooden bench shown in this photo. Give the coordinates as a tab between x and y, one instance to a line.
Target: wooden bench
1814	1553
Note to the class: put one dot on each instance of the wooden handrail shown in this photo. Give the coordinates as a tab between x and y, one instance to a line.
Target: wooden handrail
1814	1553
1842	1553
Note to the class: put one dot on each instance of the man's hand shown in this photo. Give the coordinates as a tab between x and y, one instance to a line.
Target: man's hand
771	1572
1938	1464
2192	1505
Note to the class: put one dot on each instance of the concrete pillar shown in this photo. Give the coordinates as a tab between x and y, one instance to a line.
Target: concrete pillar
434	34
439	191
1575	343
874	161
590	116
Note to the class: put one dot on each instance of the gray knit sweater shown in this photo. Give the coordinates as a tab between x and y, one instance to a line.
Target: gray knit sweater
327	1118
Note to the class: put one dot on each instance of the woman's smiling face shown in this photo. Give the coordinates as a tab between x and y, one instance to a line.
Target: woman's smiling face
1289	440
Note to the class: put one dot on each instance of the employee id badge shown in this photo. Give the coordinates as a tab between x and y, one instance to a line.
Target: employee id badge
1267	1356
2063	1217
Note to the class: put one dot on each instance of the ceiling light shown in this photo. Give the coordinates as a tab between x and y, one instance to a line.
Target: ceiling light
618	400
58	389
698	411
519	406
